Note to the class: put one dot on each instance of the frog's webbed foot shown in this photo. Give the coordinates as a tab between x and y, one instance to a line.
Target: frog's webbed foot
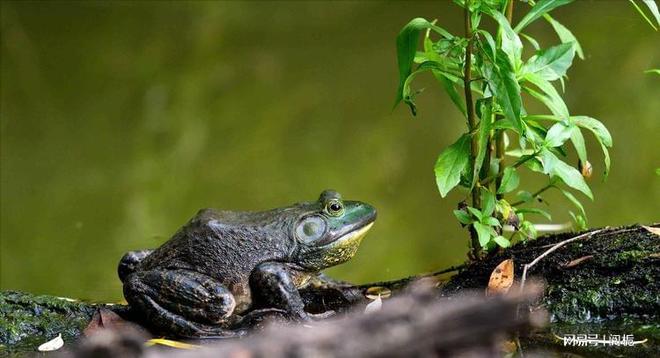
181	302
259	318
129	262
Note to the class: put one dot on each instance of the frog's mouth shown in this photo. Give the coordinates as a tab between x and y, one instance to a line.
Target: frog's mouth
344	247
353	237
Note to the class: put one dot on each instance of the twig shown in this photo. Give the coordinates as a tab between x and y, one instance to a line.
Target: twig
448	269
409	279
551	250
535	194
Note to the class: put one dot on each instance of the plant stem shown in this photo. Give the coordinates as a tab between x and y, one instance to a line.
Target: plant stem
499	175
499	138
534	195
469	104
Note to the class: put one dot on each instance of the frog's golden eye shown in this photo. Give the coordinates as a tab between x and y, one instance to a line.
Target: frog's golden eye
334	207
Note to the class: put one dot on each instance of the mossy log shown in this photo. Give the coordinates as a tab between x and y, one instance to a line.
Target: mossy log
608	276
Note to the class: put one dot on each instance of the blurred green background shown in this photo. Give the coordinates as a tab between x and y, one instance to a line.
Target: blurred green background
120	120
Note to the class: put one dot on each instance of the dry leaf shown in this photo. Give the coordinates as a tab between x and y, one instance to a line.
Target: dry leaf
374	306
52	345
501	279
508	346
170	343
106	319
578	261
655	230
377	291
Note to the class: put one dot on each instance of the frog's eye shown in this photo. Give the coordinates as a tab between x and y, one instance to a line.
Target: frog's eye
334	207
311	228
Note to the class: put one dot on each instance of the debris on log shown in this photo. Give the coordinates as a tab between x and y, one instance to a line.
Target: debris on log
603	278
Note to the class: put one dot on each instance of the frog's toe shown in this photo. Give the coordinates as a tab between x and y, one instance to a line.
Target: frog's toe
259	318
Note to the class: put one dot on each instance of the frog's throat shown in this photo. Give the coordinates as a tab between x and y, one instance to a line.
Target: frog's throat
342	249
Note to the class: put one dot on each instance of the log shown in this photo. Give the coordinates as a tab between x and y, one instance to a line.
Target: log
606	275
415	324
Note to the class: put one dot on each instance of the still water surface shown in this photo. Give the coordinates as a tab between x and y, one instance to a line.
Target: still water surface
120	120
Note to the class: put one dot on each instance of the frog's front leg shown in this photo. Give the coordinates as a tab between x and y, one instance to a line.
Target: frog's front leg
180	302
272	286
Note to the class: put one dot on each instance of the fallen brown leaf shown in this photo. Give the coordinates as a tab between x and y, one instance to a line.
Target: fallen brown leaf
501	279
106	319
377	292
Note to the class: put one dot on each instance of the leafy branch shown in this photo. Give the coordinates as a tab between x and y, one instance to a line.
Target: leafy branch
489	69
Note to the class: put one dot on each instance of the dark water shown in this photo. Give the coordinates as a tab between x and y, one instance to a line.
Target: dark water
120	120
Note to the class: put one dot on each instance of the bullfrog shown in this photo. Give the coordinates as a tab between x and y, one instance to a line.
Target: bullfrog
224	267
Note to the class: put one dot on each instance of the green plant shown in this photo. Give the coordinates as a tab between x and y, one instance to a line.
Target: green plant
489	68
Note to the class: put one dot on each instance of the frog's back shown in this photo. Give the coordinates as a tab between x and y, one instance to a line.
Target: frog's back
225	245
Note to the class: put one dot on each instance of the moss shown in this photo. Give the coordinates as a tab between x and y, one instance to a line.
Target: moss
616	291
27	320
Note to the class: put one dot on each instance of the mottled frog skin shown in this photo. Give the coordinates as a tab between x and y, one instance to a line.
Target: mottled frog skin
224	268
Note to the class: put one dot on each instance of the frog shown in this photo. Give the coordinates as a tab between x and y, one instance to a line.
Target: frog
224	268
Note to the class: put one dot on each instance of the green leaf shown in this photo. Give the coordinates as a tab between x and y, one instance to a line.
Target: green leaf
606	159
542	7
573	200
451	163
483	232
580	221
510	180
406	48
504	85
569	175
596	127
483	135
565	35
487	202
463	217
534	165
489	47
578	143
653	70
654	10
525	196
502	241
476	212
558	134
532	41
600	132
550	97
491	221
551	63
543	213
511	44
528	230
448	85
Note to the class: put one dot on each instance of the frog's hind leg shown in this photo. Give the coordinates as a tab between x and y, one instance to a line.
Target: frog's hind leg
181	302
129	262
